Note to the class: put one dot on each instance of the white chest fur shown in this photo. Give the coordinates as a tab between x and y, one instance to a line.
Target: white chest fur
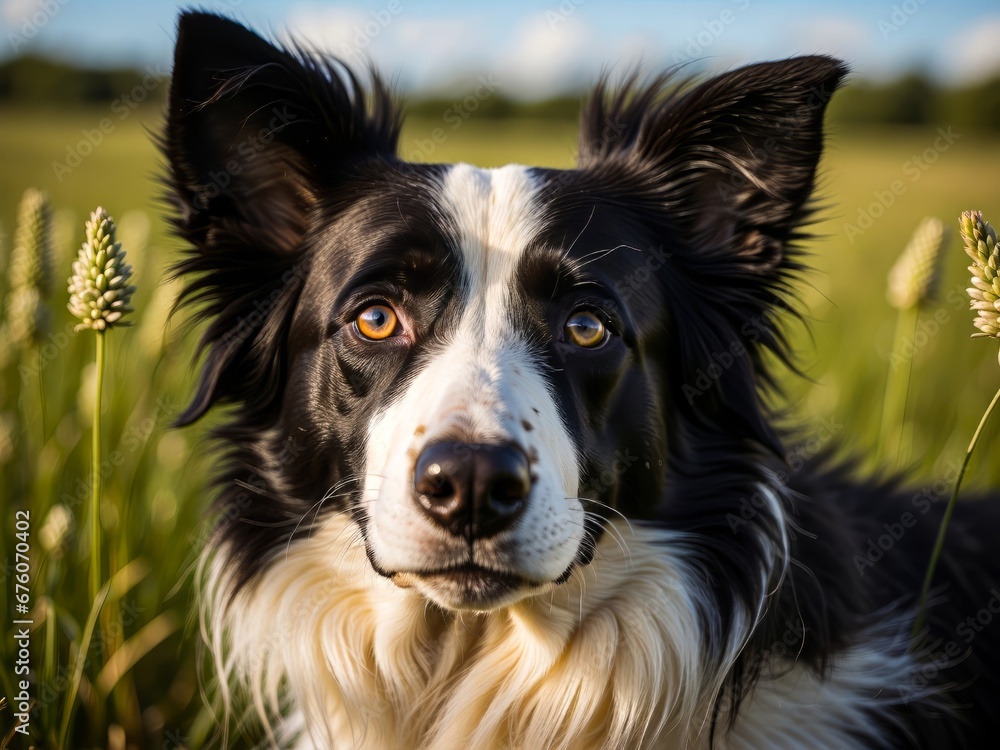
611	659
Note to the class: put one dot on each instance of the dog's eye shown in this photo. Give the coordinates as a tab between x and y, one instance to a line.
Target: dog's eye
585	329
376	322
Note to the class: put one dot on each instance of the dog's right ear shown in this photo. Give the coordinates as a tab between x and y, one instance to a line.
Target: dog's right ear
253	130
255	134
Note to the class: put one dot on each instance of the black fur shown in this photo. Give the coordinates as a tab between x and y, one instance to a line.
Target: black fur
286	181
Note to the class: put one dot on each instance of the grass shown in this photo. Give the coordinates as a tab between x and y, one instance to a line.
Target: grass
154	479
854	325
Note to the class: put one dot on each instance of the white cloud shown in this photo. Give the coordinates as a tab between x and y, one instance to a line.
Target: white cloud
333	29
838	36
431	51
417	51
541	53
17	12
544	55
974	53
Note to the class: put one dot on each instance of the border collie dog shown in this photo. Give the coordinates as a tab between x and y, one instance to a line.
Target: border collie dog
500	471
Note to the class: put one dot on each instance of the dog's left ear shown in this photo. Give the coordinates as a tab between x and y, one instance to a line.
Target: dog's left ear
732	160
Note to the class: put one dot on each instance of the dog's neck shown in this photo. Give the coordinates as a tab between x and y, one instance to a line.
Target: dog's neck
608	658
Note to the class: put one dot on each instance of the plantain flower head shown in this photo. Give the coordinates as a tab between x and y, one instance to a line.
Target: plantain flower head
99	287
31	270
981	245
913	280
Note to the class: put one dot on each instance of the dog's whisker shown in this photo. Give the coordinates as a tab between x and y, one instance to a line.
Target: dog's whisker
607	507
328	495
566	253
355	541
582	578
252	488
588	543
598	254
613	531
267	524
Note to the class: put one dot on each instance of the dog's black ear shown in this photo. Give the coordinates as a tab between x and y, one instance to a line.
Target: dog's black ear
255	133
727	167
734	158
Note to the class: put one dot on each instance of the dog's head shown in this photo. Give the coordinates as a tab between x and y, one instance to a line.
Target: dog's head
481	367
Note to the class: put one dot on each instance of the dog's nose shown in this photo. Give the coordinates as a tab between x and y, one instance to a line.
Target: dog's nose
472	490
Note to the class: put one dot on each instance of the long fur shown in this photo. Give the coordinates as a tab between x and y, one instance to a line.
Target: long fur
670	581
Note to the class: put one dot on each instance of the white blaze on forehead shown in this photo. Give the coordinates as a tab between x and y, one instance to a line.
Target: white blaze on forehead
495	215
484	385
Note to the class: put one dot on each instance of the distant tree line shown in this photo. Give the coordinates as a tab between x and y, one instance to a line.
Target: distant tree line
914	99
36	80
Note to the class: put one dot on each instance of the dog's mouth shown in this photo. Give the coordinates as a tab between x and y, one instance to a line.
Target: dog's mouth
467	586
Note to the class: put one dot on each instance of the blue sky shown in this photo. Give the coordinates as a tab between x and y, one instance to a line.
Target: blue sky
538	48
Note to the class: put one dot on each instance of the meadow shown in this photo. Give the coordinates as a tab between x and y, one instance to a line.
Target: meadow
140	685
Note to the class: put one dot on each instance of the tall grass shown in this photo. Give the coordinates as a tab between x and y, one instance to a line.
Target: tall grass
913	283
136	675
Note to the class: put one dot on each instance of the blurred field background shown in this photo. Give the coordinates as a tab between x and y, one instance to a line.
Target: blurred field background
140	688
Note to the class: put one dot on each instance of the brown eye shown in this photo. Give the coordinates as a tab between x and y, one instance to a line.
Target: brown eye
376	322
585	329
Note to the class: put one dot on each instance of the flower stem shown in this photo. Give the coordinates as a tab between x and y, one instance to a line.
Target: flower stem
37	352
79	664
95	495
946	519
897	390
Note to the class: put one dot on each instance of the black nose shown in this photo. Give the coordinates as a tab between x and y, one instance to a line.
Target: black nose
472	490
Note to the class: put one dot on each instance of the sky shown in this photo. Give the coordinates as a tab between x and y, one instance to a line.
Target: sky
537	49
